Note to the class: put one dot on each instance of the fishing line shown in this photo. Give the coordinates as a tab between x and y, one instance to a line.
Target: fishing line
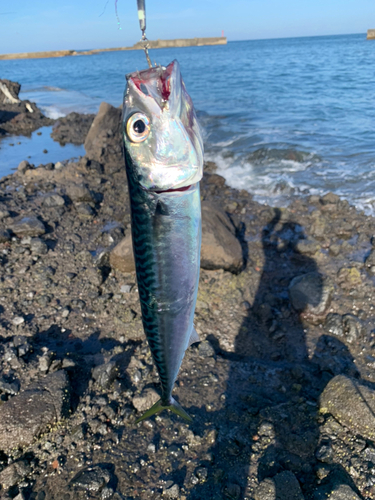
105	6
118	19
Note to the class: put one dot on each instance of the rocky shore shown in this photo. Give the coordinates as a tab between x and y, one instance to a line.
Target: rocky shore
281	386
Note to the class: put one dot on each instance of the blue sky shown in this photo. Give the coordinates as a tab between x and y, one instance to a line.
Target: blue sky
81	24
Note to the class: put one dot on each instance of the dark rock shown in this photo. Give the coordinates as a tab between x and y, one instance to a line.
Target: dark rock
80	193
353	328
104	140
30	413
54	200
72	128
19	117
105	374
311	293
28	226
9	387
351	403
333	324
172	492
324	453
220	247
85	209
283	486
205	349
14	473
336	492
12	87
5	235
349	327
93	479
38	246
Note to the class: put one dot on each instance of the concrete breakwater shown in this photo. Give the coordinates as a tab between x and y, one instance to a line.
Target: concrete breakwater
153	44
371	34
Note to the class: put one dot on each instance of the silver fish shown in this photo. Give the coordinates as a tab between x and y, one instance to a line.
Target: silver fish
163	150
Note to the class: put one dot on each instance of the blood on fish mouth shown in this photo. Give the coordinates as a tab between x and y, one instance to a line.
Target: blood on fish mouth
185	188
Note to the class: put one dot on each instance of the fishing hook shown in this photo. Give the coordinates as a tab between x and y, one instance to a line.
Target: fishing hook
142	23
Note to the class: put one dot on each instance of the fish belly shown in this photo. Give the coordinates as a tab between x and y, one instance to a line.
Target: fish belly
166	231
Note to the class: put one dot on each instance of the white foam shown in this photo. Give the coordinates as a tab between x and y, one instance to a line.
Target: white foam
53	112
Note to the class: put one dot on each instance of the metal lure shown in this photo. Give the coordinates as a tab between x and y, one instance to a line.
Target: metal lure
163	150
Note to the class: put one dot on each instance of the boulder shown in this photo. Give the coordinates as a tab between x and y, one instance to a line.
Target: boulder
29	414
72	128
351	403
220	247
104	140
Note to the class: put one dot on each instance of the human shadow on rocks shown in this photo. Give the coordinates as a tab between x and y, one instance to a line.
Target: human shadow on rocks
269	422
88	358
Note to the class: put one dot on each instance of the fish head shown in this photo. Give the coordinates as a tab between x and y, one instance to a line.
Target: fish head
161	132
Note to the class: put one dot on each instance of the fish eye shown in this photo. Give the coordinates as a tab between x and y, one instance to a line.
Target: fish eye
138	127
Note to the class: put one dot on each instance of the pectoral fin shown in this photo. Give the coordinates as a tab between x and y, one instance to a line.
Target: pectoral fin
194	337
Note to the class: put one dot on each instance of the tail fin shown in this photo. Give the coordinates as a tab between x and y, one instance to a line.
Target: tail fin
158	406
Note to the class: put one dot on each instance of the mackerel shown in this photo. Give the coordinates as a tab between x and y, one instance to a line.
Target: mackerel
163	151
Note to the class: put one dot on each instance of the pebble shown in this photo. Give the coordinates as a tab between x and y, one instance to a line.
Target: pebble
145	400
80	193
54	200
84	209
9	387
105	374
172	492
38	246
23	166
18	320
28	226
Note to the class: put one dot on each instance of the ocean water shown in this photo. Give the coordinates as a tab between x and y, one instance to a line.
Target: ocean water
279	116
